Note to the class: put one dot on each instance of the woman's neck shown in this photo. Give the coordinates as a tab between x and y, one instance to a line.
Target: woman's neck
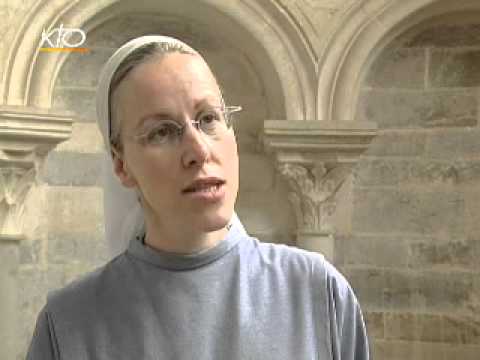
181	239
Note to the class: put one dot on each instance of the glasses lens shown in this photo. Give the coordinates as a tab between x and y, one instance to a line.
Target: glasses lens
211	121
162	132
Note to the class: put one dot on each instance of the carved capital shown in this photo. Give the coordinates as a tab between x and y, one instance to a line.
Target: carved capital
315	157
312	193
27	135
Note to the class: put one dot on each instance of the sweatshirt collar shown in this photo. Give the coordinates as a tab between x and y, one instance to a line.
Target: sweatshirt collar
173	261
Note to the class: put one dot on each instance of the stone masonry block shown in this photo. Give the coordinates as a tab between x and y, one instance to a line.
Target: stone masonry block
391	143
375	323
113	33
418	109
228	67
422	213
377	348
447	35
450	292
431	173
30	251
398	68
78	248
475	298
83	69
74	210
32	295
472	216
256	172
402	350
383	251
34	283
463	352
413	327
66	168
451	68
381	172
432	291
462	329
368	285
468	173
278	237
80	101
86	138
445	255
416	172
264	212
453	144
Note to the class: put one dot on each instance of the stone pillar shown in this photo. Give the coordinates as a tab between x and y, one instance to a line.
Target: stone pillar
26	136
315	158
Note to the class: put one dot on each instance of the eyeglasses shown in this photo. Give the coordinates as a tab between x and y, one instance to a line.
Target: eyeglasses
212	122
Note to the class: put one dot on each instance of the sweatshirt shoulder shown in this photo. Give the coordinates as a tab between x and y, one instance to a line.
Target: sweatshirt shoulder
87	287
321	270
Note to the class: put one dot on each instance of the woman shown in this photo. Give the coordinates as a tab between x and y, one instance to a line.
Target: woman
192	284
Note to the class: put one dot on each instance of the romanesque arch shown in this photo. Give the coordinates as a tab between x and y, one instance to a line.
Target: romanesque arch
279	49
359	35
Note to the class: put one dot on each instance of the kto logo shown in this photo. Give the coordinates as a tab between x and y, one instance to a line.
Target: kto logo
63	39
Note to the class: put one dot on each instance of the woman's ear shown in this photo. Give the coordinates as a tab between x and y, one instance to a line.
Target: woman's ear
122	171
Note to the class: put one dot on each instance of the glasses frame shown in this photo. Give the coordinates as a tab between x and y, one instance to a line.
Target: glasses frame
180	128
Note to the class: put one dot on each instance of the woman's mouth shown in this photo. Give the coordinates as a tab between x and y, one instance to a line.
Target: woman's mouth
211	189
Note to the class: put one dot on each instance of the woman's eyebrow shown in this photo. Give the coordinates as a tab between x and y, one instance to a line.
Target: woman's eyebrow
210	101
158	115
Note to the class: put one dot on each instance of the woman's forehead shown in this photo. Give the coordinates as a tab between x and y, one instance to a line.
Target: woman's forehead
168	84
172	75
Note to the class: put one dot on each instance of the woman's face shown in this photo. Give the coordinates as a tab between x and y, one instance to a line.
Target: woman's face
195	182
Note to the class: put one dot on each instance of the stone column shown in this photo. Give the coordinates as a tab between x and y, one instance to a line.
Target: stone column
315	158
26	136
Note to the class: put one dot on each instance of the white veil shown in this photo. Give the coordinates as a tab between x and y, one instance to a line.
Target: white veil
123	213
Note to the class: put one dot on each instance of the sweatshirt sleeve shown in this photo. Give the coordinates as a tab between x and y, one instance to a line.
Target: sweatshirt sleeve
347	328
44	344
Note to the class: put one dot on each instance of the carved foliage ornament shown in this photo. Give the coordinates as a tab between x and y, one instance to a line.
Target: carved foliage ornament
313	192
14	186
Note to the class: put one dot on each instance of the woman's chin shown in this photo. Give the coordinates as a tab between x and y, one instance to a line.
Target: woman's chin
215	222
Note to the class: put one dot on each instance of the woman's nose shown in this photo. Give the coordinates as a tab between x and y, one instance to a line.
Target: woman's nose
196	146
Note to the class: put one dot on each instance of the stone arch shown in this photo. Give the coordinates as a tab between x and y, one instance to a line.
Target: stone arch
359	35
284	56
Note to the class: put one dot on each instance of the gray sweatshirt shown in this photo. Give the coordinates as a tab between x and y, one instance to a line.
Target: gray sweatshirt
242	299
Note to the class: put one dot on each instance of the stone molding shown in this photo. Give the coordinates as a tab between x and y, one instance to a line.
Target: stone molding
27	135
315	158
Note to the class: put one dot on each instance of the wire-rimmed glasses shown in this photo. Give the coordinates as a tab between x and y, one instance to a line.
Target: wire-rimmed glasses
212	122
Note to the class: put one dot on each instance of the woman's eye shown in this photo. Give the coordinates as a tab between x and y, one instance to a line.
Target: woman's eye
209	116
161	133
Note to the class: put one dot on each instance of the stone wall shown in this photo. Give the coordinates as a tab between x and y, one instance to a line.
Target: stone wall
413	253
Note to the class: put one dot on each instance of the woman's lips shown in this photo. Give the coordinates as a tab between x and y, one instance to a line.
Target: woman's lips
211	189
203	184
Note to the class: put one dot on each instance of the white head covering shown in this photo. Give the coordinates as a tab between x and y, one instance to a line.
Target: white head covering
123	214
